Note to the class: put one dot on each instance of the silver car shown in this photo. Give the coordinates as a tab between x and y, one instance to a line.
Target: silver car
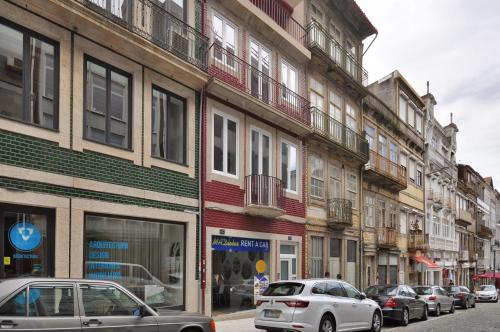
43	304
437	299
314	305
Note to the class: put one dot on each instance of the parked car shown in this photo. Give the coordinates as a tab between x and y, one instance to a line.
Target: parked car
462	295
316	305
398	302
79	304
487	293
437	299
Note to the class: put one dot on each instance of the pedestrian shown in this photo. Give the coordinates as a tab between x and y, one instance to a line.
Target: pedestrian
451	283
339	276
327	275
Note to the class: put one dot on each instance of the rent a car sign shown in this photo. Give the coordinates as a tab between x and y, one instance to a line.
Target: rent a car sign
226	243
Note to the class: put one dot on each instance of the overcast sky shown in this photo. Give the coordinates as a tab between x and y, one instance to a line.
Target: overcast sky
454	44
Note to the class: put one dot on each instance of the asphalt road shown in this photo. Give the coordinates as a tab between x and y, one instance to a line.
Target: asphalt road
484	318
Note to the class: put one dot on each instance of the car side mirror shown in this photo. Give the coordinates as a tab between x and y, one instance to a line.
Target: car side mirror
362	296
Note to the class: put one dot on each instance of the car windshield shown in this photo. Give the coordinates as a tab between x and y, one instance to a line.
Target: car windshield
423	290
487	288
284	289
381	290
452	289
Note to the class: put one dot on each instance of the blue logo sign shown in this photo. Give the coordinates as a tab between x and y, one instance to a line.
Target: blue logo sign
223	243
25	236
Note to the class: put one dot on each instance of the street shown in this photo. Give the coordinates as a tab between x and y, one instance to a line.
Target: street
484	318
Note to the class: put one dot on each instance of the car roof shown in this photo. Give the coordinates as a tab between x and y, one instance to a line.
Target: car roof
310	281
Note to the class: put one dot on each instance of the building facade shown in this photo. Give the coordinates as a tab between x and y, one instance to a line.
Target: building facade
99	143
255	118
336	149
441	184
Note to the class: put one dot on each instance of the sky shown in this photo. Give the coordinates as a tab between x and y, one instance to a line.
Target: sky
455	45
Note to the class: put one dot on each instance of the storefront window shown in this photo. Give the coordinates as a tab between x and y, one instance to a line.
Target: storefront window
27	247
146	257
240	269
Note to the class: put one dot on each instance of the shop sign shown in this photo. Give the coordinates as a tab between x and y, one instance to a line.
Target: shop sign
224	243
260	282
25	236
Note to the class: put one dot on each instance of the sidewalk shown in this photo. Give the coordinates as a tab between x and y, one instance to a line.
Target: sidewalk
236	325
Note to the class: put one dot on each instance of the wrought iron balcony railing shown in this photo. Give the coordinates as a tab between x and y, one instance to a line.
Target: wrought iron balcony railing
277	10
229	68
387	236
264	191
339	212
338	133
148	19
388	168
319	38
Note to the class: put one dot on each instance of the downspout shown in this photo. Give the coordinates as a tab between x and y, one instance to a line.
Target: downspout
201	178
361	209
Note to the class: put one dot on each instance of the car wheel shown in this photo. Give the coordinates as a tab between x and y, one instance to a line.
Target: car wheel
437	313
376	322
452	309
326	324
425	314
405	319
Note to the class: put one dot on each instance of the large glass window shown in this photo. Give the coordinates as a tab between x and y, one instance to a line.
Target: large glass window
28	77
106	300
50	301
27	246
146	257
225	144
289	161
168	130
108	100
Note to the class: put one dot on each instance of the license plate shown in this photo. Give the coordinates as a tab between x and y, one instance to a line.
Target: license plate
272	313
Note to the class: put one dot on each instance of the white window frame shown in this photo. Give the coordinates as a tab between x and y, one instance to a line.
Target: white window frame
226	22
261	133
261	48
289	68
411	174
317	178
352	191
226	117
370	206
288	175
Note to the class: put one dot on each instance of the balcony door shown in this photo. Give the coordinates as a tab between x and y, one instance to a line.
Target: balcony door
261	188
317	34
335	182
260	77
351	59
335	112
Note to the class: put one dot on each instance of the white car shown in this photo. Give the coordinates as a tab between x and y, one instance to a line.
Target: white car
314	305
487	293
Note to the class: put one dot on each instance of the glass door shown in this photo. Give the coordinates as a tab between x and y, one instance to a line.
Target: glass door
288	262
260	167
260	60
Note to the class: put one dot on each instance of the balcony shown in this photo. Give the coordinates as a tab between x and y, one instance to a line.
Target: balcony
273	19
241	84
384	172
464	218
442	243
464	256
387	237
339	212
339	135
264	196
436	199
341	63
417	242
484	232
152	22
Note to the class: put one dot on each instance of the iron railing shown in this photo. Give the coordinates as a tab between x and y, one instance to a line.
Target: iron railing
337	132
276	10
150	20
229	68
319	38
387	236
265	191
417	242
340	211
388	168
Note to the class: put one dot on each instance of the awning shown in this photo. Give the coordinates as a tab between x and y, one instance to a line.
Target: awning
486	275
430	264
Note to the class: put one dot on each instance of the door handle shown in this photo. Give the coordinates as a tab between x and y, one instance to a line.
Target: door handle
7	324
92	322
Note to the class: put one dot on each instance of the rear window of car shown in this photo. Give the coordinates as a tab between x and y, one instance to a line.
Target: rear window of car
381	290
423	290
284	289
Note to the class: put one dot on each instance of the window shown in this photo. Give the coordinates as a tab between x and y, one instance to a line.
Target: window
108	100
16	306
351	262
260	58
351	117
316	13
105	300
335	257
382	145
418	123
168	129
403	160
335	110
260	152
334	288
289	161
335	182
369	211
352	292
319	288
352	189
148	257
382	211
316	94
289	79
411	115
403	105
225	144
225	38
403	222
411	170
317	177
316	257
176	8
434	143
393	153
370	136
29	81
394	216
419	176
49	301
